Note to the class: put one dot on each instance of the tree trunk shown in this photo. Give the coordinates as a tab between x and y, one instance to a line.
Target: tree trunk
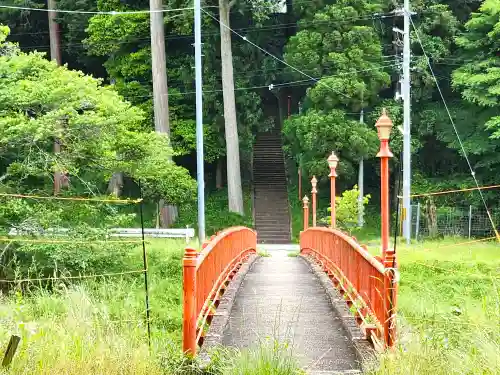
235	193
431	216
168	214
55	36
160	91
159	68
115	185
218	174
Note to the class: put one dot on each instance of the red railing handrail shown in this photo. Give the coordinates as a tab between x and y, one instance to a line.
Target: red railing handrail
359	275
205	275
216	240
355	246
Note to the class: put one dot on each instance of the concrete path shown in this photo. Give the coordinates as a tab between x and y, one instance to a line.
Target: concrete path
280	248
280	298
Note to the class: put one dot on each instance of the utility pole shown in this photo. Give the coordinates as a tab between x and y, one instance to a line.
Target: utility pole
168	213
406	87
361	179
200	175
55	55
406	125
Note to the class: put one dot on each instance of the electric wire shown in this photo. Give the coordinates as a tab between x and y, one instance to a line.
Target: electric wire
274	57
303	82
47	242
72	277
112	13
453	191
184	36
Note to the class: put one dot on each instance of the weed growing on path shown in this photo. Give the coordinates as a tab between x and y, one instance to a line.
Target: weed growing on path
269	358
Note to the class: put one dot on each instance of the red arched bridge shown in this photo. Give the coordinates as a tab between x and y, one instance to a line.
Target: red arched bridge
326	301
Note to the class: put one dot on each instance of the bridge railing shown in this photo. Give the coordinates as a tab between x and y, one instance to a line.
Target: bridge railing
206	275
360	277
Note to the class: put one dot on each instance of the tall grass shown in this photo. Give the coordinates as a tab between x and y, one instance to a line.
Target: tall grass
98	326
449	310
449	320
271	357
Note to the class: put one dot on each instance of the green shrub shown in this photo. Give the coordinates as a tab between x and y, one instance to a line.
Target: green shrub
347	209
84	248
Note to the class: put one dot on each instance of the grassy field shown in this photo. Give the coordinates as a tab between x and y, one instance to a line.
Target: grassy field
449	310
97	326
449	319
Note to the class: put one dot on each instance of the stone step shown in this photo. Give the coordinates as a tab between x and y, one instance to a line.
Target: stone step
273	241
271	210
272	215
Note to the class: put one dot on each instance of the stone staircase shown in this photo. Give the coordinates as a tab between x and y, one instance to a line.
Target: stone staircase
271	207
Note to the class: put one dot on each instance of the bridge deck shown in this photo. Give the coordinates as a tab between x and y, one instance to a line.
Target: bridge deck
280	298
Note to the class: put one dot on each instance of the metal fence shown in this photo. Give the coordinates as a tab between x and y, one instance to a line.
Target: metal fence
463	221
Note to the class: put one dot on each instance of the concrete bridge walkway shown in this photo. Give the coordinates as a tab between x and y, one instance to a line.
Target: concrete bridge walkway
281	298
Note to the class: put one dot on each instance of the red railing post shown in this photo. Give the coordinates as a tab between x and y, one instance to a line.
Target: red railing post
189	310
332	163
314	183
389	299
305	201
384	127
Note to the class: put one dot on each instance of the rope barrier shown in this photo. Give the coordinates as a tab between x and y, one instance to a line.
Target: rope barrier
73	277
104	200
452	191
464	243
438	321
7	239
479	188
480	276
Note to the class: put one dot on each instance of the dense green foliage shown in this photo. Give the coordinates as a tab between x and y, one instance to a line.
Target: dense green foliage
346	46
100	133
347	209
479	77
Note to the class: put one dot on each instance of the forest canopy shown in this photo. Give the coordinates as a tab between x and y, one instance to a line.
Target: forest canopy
348	47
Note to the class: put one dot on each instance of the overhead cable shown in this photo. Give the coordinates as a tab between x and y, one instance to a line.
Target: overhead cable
112	13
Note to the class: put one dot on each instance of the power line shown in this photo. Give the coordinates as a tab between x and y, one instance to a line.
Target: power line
271	55
111	13
302	82
473	173
253	28
80	277
326	74
444	192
